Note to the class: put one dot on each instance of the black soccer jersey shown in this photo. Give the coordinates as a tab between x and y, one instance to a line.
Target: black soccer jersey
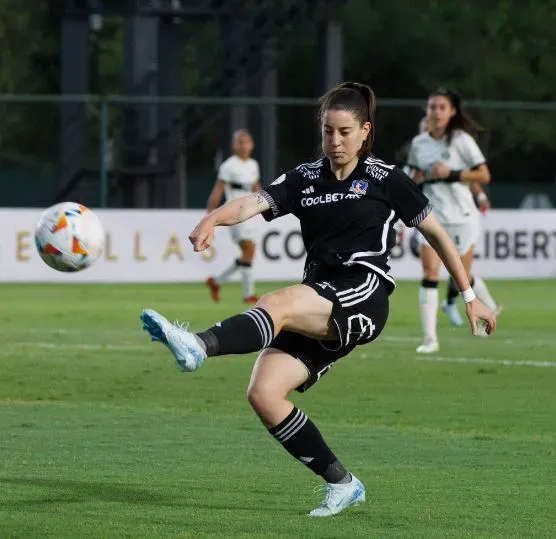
348	223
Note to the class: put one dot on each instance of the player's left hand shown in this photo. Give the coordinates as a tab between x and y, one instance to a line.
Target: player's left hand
440	170
202	235
484	206
418	176
476	311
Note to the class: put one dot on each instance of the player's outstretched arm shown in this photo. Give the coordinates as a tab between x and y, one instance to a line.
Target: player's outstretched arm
233	212
443	245
239	210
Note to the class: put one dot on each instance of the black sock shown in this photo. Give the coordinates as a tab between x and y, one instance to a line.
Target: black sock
241	334
452	292
425	283
241	264
301	439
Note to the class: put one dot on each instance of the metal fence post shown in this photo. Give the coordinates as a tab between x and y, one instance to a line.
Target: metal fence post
103	147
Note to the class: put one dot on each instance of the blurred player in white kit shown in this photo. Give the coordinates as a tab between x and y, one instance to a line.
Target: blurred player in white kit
238	176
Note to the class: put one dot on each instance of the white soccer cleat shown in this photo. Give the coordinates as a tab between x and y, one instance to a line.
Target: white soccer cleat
428	347
188	352
451	310
339	496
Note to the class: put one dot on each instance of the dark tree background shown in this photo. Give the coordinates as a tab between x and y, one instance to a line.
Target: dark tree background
499	50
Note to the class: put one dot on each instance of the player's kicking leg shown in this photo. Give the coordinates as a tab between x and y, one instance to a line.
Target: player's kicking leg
184	345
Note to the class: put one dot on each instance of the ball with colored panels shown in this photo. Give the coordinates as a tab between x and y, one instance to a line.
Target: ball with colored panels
69	237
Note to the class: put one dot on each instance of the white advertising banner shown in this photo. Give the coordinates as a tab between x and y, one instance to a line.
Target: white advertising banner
152	246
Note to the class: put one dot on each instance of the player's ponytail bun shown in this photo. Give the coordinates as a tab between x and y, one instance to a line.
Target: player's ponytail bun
360	100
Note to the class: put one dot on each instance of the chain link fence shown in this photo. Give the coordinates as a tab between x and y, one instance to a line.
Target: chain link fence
113	141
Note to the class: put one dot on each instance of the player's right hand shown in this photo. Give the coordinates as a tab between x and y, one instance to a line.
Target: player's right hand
202	235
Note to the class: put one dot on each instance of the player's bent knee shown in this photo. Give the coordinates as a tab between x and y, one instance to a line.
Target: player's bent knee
283	304
274	303
263	398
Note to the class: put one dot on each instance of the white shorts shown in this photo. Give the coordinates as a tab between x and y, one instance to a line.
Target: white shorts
464	235
242	232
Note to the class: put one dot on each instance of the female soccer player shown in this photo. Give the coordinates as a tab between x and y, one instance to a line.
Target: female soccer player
449	306
237	176
347	203
446	160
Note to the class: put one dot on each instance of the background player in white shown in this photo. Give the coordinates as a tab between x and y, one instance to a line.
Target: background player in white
447	160
449	306
237	176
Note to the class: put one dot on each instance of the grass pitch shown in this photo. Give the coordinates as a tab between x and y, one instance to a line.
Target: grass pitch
102	436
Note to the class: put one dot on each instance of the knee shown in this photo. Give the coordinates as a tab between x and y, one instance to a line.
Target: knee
430	272
248	252
431	275
262	399
275	304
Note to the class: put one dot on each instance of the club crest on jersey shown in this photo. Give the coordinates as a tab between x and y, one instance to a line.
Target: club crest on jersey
359	187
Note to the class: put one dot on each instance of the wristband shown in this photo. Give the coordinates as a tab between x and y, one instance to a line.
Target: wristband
454	176
468	295
481	197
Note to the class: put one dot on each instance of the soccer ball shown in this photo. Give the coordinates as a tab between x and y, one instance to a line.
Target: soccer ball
69	237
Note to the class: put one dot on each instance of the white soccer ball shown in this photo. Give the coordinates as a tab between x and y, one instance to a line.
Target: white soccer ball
69	237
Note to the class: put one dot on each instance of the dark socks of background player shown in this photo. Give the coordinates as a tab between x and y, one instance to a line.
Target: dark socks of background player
452	292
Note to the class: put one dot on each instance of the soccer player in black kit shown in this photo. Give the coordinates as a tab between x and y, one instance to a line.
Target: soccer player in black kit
347	204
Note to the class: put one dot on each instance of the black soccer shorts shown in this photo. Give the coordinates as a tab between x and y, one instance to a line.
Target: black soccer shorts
360	312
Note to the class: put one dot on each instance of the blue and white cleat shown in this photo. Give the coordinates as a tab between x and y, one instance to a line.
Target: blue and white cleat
452	312
339	496
188	352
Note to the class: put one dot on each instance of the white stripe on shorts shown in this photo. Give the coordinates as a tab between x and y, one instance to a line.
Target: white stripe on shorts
367	295
360	287
371	284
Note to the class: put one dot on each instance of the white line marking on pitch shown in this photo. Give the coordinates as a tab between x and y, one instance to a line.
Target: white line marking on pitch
81	346
479	360
461	338
399	338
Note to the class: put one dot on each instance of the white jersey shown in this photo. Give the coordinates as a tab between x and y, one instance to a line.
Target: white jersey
239	176
452	202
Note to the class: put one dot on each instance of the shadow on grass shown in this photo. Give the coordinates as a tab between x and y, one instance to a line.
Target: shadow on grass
68	491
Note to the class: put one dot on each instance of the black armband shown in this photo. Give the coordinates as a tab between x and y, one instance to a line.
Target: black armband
455	176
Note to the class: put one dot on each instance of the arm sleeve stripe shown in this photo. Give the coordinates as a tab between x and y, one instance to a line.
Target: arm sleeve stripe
271	203
420	216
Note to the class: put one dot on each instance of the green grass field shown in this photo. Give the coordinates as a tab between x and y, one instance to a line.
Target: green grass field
101	435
